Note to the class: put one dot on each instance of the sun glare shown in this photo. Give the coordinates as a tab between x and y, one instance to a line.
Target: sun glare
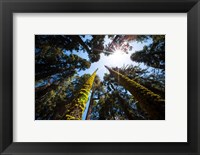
117	54
116	58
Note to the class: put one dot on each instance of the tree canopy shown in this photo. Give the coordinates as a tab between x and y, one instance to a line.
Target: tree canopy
128	85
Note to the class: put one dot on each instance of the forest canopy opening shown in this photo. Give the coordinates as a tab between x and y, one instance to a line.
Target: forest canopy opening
99	77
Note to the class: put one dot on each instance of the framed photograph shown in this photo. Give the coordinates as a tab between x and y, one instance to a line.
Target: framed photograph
99	77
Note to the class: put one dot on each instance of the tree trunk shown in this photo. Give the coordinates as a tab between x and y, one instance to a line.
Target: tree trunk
150	102
78	104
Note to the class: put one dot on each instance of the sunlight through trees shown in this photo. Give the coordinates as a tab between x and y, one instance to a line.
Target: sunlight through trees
68	85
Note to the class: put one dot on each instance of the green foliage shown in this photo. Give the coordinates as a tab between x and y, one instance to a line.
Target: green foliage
152	55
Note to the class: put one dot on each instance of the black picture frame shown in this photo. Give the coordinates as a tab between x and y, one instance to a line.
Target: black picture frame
8	7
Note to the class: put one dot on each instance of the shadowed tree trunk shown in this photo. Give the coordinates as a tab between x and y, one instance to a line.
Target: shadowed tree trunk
149	101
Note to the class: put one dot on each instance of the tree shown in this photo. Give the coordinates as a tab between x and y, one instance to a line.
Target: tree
96	89
78	104
65	66
53	64
53	68
107	110
152	79
63	91
93	46
50	99
64	42
96	46
123	101
152	55
151	102
121	43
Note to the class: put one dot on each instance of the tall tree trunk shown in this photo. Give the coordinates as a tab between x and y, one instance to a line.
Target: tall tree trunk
78	104
149	101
